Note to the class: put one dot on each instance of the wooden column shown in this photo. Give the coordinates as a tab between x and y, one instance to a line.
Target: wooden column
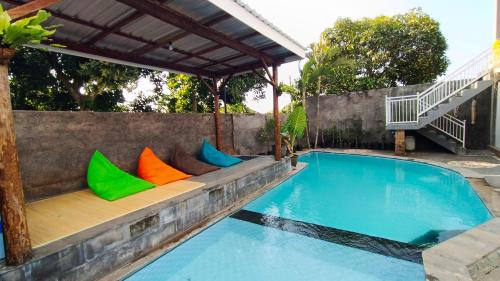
276	113
17	241
218	131
400	144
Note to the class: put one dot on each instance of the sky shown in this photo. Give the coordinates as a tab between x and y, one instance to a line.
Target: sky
466	24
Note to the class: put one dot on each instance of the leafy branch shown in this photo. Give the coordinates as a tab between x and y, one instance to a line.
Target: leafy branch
24	31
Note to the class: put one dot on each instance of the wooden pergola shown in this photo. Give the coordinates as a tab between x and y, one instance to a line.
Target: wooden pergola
210	39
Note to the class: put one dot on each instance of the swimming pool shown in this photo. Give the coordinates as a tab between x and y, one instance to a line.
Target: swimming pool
344	217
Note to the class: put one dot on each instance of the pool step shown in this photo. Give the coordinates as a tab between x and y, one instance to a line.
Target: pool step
442	139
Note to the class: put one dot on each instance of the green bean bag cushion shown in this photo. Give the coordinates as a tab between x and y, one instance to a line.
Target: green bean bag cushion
111	183
211	155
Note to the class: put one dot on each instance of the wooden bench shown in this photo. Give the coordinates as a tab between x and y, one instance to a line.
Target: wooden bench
61	216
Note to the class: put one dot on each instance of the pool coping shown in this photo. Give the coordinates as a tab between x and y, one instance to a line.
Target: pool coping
129	269
472	255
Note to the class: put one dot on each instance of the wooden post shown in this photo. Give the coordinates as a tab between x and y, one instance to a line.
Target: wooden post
17	241
276	113
218	131
400	144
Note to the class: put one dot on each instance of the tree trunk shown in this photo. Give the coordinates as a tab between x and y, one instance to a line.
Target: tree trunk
307	119
276	113
318	115
72	88
194	102
218	130
17	241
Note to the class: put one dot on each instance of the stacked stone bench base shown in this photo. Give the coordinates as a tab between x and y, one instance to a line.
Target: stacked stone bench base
96	252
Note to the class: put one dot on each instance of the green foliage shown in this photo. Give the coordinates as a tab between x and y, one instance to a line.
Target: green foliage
188	93
238	108
294	127
386	52
42	80
24	31
289	89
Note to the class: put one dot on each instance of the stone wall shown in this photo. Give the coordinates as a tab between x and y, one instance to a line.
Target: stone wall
55	147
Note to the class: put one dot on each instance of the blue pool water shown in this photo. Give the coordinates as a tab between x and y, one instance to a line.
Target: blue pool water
379	200
394	199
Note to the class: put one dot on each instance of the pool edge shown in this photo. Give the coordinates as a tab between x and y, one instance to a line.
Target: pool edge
441	262
128	270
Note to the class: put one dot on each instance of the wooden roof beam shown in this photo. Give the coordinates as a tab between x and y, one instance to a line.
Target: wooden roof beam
218	46
126	57
175	18
117	32
179	35
237	56
249	67
115	27
25	9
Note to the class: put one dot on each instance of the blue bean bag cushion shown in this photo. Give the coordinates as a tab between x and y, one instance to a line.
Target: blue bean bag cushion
212	156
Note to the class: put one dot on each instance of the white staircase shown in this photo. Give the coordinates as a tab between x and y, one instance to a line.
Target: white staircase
428	111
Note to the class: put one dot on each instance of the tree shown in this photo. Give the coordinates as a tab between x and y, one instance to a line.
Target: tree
387	51
321	61
189	94
42	80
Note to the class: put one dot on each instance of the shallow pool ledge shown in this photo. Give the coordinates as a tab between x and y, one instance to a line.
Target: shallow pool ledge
473	255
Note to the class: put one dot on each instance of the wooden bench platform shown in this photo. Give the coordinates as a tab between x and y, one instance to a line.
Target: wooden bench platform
61	216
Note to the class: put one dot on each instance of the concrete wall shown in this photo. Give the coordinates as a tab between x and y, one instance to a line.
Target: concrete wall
358	113
55	147
363	114
477	135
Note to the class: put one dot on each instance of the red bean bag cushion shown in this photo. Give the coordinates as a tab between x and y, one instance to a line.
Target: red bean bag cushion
152	169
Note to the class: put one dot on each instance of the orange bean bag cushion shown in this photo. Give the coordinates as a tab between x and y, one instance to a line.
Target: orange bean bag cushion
152	169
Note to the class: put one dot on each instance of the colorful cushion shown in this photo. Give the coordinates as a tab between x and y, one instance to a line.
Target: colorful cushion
188	164
111	183
152	169
211	155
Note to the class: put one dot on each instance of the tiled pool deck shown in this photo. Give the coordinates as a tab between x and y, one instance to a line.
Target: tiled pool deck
474	254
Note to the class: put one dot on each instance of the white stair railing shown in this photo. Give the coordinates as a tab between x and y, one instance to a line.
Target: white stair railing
451	126
409	109
455	82
401	109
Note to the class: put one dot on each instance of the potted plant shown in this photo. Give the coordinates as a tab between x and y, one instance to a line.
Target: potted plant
21	32
293	129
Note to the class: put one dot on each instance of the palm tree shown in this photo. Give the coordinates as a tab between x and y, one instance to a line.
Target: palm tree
317	68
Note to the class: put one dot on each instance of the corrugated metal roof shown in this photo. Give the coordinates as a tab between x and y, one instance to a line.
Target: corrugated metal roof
102	29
